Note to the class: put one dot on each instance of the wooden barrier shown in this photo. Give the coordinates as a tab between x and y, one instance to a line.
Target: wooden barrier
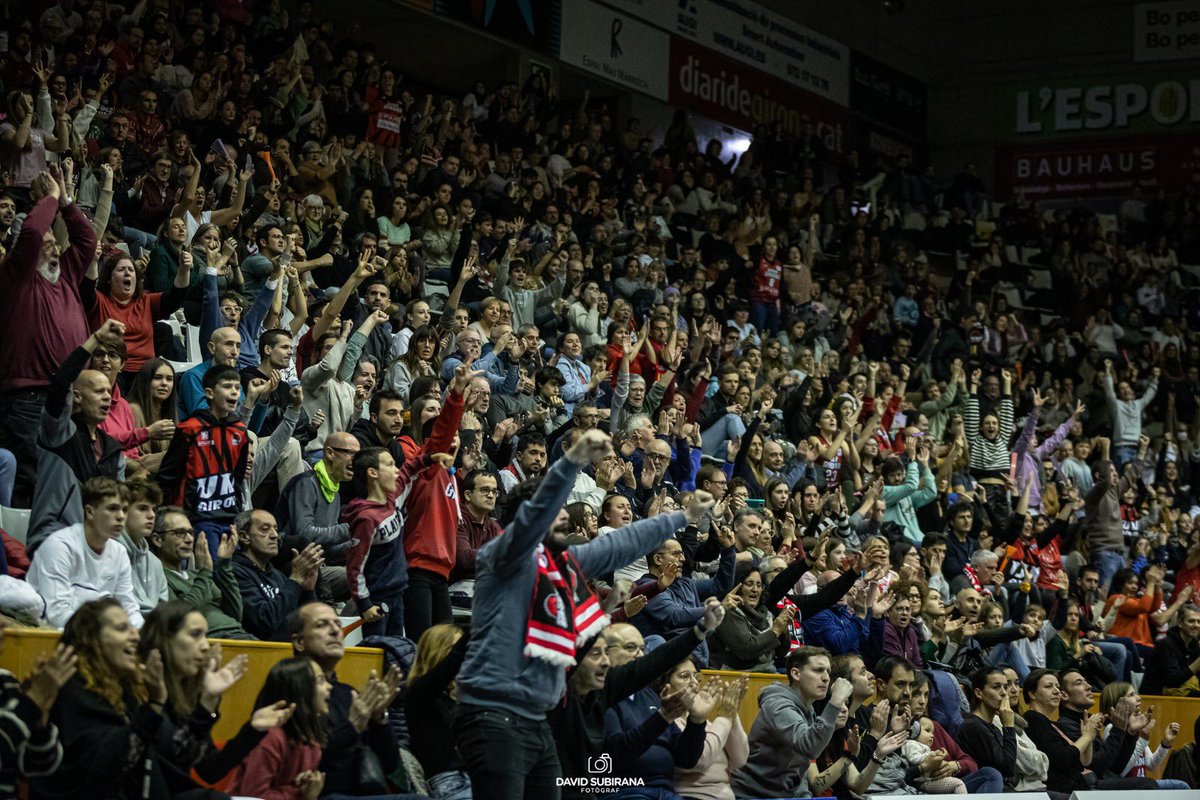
23	646
1183	710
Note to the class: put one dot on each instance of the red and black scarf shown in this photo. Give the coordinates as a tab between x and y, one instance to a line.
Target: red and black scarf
564	612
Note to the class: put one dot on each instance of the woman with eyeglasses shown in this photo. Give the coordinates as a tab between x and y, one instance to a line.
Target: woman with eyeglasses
749	636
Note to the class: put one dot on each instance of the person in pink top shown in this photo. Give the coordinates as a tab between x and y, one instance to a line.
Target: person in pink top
120	424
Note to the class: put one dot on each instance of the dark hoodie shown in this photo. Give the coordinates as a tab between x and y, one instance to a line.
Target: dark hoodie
578	722
375	563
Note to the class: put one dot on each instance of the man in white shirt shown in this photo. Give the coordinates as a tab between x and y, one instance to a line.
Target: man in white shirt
85	561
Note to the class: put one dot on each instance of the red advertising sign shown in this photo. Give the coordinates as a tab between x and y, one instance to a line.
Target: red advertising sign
730	92
1098	167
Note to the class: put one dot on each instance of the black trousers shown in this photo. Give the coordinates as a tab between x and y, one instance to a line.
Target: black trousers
508	757
426	602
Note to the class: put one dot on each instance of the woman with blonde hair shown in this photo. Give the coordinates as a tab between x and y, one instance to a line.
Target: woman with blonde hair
1143	761
430	698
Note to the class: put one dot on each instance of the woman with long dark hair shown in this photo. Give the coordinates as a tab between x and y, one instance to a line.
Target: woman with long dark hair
284	764
112	715
195	679
416	362
152	398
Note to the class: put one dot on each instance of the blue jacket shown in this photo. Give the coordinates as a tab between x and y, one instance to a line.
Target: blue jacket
644	745
496	673
682	605
838	629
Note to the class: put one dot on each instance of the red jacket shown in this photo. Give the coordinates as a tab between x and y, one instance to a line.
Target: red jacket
944	741
431	510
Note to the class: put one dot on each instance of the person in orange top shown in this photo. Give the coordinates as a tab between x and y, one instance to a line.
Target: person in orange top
1134	605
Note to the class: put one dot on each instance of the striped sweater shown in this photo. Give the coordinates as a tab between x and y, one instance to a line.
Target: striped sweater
989	458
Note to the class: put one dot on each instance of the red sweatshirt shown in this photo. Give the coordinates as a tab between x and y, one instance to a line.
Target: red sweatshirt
41	323
431	523
270	771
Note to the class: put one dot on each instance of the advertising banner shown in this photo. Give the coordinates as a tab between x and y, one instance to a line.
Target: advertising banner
887	96
734	94
1156	103
616	46
1098	167
532	23
765	40
1166	31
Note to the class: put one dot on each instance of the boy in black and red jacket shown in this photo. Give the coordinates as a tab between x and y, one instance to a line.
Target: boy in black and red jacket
205	465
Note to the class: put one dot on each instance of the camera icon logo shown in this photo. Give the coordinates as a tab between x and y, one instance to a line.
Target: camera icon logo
600	765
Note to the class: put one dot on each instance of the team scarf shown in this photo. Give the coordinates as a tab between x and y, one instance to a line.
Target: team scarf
564	612
969	571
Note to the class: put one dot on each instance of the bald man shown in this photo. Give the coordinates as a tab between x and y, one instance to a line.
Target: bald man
623	642
71	446
310	508
223	347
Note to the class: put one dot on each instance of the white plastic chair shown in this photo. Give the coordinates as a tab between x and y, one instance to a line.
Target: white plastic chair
15	522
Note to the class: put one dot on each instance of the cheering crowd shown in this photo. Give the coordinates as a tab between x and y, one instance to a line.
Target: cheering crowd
633	406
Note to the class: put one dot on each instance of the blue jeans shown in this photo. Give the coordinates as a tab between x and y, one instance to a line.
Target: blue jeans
1169	783
1122	454
392	623
8	476
764	317
211	532
452	785
985	780
1005	655
335	796
1108	562
712	441
1118	656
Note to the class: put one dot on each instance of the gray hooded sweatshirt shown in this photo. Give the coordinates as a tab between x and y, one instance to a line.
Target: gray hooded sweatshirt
149	580
787	735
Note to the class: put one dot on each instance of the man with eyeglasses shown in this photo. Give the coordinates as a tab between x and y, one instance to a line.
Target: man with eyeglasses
614	669
310	508
84	561
194	575
476	525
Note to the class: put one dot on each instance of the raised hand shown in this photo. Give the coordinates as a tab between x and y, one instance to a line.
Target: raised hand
272	716
218	679
50	674
703	701
153	676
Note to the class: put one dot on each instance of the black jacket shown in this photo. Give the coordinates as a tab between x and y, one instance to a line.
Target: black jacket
340	759
578	722
1168	664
